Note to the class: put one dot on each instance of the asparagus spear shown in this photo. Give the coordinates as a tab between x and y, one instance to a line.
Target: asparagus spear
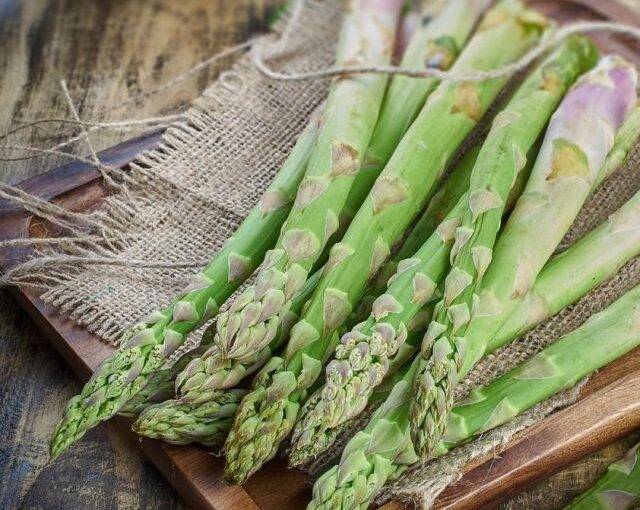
579	137
269	412
251	323
204	376
363	356
384	448
618	489
178	423
147	345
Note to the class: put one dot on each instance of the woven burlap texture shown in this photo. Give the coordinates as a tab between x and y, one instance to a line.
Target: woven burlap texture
181	201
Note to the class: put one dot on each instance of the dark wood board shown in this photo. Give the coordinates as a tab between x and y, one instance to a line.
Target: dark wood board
607	408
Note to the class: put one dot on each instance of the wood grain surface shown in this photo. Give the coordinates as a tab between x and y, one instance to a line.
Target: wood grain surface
108	51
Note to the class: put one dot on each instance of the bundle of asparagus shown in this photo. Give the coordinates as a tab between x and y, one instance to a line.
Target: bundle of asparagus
369	163
363	355
579	137
267	415
435	44
329	153
145	348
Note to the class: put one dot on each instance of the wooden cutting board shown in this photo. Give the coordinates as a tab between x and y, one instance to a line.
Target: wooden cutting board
608	407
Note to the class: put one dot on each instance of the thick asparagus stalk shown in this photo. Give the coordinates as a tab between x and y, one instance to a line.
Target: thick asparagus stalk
148	344
618	489
351	112
579	137
179	423
269	412
363	356
384	448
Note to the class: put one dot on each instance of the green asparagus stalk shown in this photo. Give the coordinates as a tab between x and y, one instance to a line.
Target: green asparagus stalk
205	376
178	423
579	137
435	45
147	345
618	489
352	108
269	412
364	354
383	449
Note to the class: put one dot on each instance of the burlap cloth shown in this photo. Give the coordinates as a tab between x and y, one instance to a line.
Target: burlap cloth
180	202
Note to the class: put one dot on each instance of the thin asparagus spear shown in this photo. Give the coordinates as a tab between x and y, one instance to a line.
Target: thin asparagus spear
269	412
176	422
579	137
362	358
147	345
618	489
383	449
206	375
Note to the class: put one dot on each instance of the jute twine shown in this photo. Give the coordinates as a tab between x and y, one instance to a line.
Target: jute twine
174	206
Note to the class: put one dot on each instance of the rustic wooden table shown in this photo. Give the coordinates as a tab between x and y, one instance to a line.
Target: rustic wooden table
107	51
